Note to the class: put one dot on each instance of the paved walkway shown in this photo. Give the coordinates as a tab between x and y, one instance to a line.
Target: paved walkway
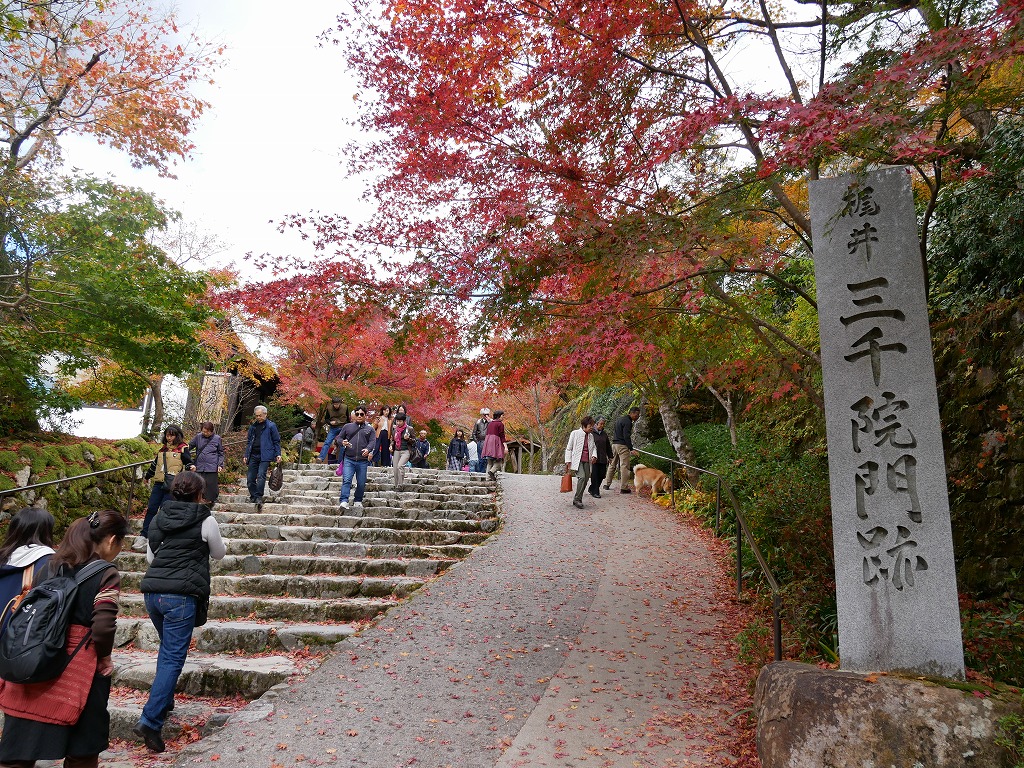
596	637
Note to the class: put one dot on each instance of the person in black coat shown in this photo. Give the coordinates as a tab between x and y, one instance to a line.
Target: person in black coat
176	589
458	451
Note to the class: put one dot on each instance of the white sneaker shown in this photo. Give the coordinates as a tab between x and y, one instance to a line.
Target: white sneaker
357	505
344	505
140	544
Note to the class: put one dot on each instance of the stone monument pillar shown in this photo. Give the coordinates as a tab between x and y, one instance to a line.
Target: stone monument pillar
895	578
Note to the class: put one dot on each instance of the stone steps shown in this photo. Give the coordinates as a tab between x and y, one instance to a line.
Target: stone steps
301	575
279	585
305	565
369	520
345	549
281	608
245	636
207	674
357	535
327	503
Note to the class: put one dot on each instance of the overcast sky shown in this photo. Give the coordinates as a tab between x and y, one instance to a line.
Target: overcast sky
267	147
269	144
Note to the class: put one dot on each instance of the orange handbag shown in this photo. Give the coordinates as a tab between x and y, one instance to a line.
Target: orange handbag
567	481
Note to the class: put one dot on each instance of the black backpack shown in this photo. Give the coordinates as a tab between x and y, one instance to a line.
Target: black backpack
33	644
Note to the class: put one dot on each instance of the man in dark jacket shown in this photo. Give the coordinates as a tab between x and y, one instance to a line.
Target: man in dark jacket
335	419
622	450
262	446
604	455
478	435
356	443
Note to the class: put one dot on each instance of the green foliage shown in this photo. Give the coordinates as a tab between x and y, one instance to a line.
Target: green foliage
994	638
1011	737
785	499
100	291
53	458
976	251
9	461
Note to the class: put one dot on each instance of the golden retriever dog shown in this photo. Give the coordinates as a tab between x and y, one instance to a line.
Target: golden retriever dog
653	478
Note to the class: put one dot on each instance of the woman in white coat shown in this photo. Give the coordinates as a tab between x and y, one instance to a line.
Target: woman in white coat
580	454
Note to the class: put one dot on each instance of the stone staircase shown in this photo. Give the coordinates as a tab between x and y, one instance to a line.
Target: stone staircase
299	578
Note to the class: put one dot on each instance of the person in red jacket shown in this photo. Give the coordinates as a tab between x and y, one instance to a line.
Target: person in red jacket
494	445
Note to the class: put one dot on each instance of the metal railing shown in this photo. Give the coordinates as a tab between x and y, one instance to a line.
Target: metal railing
131	484
742	529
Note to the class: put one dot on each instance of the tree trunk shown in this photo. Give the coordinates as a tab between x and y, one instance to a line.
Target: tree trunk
156	387
674	431
726	403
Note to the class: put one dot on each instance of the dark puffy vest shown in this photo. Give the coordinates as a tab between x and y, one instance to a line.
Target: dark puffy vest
181	559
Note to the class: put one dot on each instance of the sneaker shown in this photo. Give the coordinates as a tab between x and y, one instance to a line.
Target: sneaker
344	505
139	545
577	504
357	505
625	490
152	738
259	506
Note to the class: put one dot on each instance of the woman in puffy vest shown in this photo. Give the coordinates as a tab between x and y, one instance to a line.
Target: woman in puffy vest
25	552
68	718
182	539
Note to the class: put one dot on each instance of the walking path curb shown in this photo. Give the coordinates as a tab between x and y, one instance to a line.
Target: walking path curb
594	637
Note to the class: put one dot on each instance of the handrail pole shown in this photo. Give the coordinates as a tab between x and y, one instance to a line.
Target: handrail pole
131	493
22	489
718	507
777	625
739	559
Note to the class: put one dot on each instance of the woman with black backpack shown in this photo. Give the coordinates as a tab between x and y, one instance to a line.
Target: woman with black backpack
67	717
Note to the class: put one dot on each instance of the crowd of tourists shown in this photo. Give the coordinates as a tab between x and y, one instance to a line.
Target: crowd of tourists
359	439
596	457
65	716
60	711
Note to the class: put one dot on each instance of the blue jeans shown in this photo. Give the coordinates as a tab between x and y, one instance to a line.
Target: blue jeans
257	478
157	496
332	432
174	617
357	468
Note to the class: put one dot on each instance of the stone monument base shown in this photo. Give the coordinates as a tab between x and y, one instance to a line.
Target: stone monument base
814	718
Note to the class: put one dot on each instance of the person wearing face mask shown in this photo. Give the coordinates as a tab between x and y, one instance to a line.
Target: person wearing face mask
356	443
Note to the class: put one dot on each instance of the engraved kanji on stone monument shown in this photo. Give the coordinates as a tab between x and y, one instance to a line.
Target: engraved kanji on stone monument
895	577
